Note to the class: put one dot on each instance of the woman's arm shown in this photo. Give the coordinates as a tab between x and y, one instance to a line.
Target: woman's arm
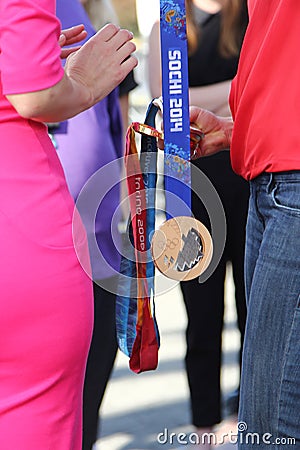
154	62
213	97
91	73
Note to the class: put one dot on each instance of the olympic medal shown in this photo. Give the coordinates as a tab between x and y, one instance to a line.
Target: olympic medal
182	248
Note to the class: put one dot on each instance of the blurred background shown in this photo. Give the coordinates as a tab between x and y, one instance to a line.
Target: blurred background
138	16
126	11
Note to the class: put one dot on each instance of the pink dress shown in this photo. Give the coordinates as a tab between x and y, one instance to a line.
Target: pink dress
46	308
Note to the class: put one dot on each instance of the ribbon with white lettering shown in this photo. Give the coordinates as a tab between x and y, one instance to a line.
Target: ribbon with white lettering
137	330
181	247
175	93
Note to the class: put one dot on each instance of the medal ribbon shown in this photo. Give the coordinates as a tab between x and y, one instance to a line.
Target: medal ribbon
136	325
137	330
175	92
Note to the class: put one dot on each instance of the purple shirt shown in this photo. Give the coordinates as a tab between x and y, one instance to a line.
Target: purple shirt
86	143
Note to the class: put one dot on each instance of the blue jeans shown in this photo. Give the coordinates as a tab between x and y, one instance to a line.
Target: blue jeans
270	383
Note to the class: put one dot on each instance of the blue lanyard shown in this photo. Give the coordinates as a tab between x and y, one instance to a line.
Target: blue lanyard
175	92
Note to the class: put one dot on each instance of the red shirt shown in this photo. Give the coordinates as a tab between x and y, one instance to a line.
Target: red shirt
265	95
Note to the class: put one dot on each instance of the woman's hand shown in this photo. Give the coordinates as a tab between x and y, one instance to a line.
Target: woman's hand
71	36
217	131
91	73
102	62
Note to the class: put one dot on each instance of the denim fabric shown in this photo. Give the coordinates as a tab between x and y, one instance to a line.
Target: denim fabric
270	384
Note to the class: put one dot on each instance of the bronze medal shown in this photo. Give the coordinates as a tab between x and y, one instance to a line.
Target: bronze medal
182	248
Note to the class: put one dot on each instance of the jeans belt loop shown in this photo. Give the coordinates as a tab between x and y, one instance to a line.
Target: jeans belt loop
270	184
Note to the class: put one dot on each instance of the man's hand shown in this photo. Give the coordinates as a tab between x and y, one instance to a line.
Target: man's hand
217	131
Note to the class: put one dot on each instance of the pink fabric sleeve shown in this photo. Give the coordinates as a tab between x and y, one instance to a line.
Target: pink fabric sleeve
30	54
